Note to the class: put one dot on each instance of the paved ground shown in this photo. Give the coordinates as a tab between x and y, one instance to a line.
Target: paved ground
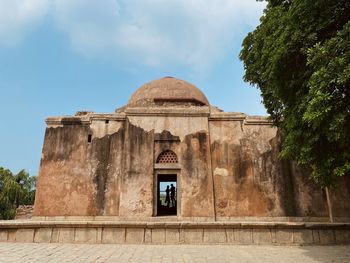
19	252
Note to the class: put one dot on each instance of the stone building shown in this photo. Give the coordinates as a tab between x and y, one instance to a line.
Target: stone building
222	164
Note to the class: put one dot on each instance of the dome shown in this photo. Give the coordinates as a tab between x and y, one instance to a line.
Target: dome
168	90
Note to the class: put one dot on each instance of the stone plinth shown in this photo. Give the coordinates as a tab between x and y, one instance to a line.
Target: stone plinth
279	233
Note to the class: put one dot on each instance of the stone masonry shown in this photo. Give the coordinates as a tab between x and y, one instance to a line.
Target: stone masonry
227	163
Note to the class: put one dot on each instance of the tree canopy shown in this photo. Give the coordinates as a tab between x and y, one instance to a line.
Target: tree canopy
15	189
299	58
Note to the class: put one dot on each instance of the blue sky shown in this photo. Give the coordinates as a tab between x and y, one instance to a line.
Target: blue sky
61	56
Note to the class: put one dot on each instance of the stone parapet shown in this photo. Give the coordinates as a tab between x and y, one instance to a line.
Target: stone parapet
237	116
227	116
257	120
80	119
279	233
203	111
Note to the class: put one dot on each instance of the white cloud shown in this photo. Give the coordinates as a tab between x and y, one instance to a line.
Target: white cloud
19	16
193	33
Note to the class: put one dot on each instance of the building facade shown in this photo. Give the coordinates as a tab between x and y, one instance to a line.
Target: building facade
221	165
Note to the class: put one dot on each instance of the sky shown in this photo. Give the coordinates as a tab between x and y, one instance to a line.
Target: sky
58	57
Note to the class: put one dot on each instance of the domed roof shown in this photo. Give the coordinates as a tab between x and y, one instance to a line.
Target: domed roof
169	90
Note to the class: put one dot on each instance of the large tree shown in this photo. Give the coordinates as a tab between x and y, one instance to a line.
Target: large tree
299	58
15	189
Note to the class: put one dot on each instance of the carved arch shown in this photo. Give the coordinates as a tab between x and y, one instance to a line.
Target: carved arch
167	156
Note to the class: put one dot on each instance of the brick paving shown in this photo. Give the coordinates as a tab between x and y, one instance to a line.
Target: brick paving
32	252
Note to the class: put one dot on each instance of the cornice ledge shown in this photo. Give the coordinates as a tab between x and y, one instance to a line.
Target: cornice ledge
147	111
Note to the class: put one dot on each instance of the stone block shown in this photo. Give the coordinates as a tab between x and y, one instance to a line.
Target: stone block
316	236
230	235
148	235
66	235
56	218
43	235
77	218
85	235
25	235
284	236
99	235
172	236
302	236
262	236
214	236
193	236
55	235
327	237
113	235
243	236
342	236
3	235
158	236
11	235
135	235
182	235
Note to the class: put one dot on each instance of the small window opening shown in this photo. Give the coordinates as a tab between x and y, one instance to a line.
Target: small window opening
89	138
107	121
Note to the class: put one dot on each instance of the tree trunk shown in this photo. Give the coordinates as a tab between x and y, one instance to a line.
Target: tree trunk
329	204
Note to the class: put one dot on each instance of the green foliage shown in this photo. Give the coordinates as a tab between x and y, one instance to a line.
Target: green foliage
15	190
299	57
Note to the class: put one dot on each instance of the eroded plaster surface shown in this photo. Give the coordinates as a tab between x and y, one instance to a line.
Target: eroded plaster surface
228	165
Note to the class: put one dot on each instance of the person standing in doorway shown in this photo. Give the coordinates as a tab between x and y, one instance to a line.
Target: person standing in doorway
167	196
172	195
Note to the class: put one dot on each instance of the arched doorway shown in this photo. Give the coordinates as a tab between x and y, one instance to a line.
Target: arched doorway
167	184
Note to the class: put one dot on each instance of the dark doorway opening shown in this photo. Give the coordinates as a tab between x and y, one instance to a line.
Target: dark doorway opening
167	194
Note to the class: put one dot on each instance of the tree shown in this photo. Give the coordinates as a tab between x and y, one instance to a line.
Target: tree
15	190
299	58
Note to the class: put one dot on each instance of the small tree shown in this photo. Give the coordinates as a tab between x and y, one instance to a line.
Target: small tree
15	190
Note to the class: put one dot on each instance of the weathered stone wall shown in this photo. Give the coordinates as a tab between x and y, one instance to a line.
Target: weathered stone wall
107	157
78	177
193	151
251	180
245	179
228	160
24	212
66	183
196	180
339	198
137	179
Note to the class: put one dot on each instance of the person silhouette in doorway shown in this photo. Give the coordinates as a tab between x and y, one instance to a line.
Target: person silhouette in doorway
167	196
172	195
